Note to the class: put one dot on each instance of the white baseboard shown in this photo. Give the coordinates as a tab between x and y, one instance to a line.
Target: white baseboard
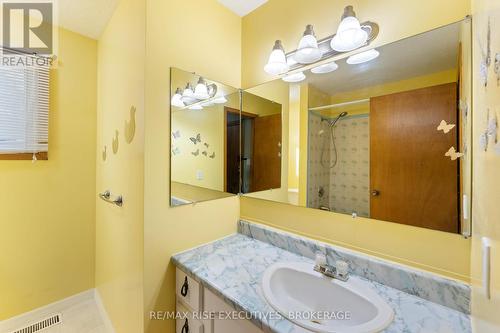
102	311
27	318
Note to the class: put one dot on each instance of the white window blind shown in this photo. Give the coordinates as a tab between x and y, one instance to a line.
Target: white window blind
24	108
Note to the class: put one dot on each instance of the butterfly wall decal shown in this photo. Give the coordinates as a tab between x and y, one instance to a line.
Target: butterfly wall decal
196	153
176	151
205	153
445	127
453	154
212	156
196	139
176	134
206	145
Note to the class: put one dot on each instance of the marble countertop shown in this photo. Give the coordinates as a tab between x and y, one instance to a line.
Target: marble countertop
233	268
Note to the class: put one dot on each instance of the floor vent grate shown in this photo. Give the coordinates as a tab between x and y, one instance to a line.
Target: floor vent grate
40	325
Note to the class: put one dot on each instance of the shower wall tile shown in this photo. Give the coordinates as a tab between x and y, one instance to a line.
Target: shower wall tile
345	186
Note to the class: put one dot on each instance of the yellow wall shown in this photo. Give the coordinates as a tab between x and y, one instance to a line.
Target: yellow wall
486	210
439	252
278	19
214	50
119	231
48	208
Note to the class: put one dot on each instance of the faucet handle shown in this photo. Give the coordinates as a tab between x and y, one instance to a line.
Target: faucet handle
320	259
342	267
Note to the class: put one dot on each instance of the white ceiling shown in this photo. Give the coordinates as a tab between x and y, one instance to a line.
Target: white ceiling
242	7
416	56
86	17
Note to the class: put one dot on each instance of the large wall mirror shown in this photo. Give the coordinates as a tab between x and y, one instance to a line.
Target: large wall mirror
205	130
384	134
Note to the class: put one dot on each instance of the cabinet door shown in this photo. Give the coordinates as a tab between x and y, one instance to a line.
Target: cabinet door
188	290
213	303
188	324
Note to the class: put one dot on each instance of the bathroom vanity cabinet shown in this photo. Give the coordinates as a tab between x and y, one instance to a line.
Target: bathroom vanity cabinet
195	300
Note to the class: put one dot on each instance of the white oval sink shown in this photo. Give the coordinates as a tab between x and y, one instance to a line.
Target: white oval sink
322	304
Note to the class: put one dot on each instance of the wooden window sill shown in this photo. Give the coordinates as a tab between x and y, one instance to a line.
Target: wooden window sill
24	156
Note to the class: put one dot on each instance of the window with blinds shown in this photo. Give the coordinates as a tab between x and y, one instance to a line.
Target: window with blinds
24	107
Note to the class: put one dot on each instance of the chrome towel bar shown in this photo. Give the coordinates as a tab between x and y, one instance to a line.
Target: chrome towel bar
106	196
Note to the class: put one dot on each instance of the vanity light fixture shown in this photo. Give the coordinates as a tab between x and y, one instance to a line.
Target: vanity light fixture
201	90
177	99
350	34
363	57
294	78
277	63
325	68
308	51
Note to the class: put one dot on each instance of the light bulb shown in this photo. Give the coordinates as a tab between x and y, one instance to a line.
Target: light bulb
201	90
294	78
325	68
308	50
177	99
188	95
277	60
363	57
350	35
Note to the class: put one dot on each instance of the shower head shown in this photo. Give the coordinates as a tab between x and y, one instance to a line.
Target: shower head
333	122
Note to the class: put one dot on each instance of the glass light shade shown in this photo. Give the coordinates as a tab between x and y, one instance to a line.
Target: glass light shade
196	107
293	78
325	68
308	50
363	57
277	64
177	99
201	90
349	35
220	100
188	95
208	104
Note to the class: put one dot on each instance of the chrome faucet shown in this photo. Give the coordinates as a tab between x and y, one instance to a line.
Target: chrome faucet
340	271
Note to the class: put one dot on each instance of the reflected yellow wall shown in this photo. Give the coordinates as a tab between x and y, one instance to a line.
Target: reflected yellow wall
486	184
278	92
209	123
48	208
386	89
119	231
398	19
214	50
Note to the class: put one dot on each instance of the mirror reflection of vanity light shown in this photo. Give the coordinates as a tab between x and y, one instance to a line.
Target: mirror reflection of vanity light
325	68
196	107
363	57
294	78
486	242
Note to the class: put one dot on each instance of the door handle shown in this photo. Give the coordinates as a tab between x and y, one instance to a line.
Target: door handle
185	328
375	193
185	287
